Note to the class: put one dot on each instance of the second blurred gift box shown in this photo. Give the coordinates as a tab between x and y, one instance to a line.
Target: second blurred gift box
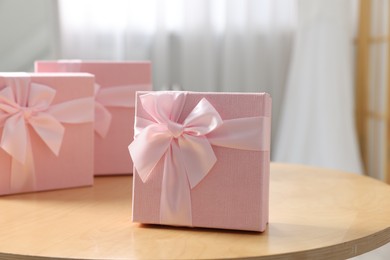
116	83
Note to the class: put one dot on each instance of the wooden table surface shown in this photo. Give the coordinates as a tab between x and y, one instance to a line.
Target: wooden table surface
314	213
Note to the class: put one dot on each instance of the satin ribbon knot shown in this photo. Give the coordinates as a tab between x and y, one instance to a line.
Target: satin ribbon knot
185	149
24	103
27	113
175	129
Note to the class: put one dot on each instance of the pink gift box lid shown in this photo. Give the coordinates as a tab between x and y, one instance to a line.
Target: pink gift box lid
74	165
235	193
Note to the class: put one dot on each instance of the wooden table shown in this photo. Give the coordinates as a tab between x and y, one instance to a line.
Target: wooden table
314	213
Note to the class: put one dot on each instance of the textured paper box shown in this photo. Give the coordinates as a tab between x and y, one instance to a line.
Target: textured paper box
234	193
73	167
111	154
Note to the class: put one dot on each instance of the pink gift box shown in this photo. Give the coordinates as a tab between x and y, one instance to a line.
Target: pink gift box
111	155
45	142
202	159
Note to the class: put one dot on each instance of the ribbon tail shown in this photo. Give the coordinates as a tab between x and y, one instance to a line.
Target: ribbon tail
23	177
198	157
175	202
102	120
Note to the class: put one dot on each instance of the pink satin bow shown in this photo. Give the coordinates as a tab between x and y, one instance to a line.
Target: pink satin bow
24	103
186	148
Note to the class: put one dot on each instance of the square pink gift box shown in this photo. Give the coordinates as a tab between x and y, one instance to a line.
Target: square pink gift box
202	159
45	142
115	96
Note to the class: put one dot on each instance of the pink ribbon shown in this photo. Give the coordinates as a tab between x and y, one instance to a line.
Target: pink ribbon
26	106
113	96
186	148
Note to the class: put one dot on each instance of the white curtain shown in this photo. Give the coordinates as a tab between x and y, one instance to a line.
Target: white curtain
200	45
317	123
28	32
238	45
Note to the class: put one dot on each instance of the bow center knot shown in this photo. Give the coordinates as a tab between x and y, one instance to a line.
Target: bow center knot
27	112
175	129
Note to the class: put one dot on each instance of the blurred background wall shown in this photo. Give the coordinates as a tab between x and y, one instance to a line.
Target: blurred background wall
28	32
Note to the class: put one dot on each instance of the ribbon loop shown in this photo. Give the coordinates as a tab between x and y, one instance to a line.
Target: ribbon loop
203	119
